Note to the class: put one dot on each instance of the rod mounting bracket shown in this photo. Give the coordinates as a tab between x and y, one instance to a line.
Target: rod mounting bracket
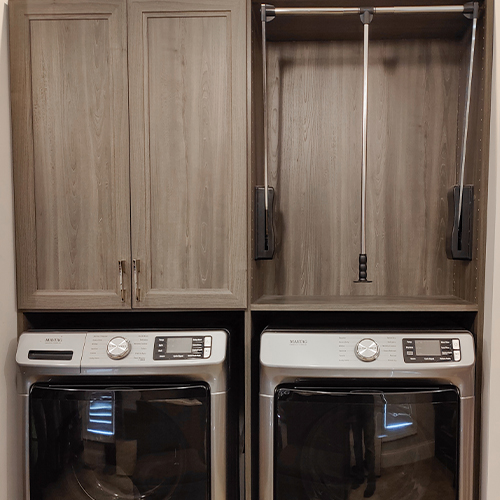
471	10
366	14
459	238
267	12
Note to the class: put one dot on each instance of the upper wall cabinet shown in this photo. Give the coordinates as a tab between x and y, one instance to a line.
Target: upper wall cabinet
159	222
71	153
187	62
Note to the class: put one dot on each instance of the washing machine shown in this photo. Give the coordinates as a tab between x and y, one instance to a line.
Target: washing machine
126	415
347	415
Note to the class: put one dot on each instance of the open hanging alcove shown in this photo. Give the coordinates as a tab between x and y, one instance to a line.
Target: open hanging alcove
418	92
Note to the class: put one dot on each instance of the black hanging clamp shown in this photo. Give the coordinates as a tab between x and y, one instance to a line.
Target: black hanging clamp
366	14
267	12
471	10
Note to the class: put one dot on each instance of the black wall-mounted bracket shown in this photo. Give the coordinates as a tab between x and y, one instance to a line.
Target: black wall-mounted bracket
460	223
264	224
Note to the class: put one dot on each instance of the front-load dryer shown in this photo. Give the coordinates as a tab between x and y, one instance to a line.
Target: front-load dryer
347	415
125	415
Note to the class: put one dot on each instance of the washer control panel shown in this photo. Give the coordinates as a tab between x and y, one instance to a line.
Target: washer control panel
431	350
167	347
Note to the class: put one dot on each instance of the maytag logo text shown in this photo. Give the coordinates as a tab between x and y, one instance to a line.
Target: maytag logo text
53	340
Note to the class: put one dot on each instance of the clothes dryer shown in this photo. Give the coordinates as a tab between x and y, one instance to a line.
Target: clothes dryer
346	415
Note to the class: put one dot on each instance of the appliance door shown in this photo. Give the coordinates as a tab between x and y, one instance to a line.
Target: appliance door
119	443
351	444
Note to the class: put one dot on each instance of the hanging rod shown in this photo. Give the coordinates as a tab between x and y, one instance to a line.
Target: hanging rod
272	11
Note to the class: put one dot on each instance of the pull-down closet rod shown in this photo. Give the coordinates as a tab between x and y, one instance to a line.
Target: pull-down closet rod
272	11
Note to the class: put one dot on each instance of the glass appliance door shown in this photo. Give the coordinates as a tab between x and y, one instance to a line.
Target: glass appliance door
361	443
119	443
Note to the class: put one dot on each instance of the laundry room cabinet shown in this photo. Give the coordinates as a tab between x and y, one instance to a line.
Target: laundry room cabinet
417	76
129	144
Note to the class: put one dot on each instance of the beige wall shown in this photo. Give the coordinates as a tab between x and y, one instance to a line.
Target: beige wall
9	453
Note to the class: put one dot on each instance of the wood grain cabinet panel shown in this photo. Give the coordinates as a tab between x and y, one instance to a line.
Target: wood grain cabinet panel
188	156
71	167
159	188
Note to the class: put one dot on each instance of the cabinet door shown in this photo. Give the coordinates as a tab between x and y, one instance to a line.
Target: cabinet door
187	76
70	145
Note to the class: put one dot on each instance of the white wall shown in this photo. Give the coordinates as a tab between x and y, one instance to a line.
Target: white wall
491	345
9	447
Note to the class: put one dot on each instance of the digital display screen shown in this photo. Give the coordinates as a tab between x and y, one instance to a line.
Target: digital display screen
427	348
179	345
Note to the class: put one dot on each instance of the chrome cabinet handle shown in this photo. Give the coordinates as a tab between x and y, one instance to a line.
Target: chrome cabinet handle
137	269
121	270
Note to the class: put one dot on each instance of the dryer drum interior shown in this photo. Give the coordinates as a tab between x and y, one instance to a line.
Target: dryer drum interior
349	443
103	443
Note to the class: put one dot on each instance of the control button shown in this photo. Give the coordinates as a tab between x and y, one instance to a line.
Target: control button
367	350
206	352
456	344
208	341
456	355
118	348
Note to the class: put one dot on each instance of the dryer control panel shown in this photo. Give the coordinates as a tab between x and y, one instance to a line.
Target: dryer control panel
431	350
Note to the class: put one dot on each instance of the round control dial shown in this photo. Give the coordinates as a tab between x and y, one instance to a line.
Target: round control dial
118	348
367	350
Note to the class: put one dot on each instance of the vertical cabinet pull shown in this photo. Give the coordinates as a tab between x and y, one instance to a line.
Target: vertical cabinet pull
137	269
121	267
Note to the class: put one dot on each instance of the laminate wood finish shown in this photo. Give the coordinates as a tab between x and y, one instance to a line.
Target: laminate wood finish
188	152
442	303
70	137
469	276
315	91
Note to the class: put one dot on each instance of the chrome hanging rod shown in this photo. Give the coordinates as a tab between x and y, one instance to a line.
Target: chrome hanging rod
468	89
272	11
264	99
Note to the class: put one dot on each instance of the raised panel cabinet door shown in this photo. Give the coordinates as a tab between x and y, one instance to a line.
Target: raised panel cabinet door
187	77
71	153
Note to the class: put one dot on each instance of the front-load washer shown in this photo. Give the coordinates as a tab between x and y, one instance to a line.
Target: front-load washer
125	415
346	415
